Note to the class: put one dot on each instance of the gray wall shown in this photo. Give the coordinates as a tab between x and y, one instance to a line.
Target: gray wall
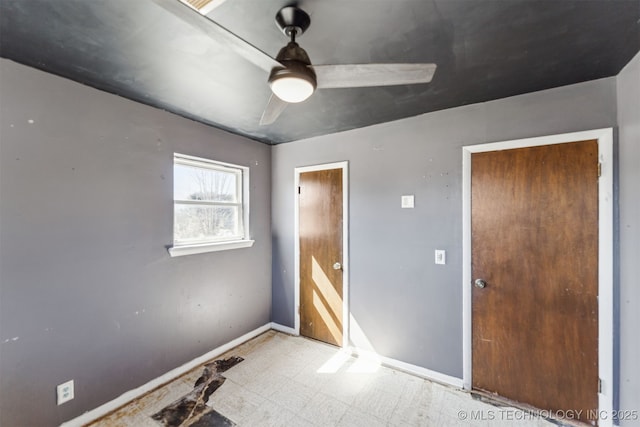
628	83
88	291
407	307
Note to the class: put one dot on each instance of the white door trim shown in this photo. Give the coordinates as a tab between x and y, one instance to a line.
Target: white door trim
345	244
605	253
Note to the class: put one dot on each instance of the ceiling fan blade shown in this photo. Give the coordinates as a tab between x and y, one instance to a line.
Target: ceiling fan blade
219	33
272	111
363	75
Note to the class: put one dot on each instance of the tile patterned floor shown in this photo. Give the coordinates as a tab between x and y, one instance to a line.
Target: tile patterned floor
296	382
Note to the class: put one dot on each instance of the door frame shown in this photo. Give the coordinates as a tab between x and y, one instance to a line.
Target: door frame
605	253
344	165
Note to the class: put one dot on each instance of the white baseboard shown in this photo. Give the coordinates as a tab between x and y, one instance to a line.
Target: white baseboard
130	395
409	368
281	328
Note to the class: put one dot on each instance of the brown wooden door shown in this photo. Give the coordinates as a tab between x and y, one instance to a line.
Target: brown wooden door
535	243
320	228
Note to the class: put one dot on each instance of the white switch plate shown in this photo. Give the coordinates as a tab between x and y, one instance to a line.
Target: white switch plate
407	201
441	256
65	392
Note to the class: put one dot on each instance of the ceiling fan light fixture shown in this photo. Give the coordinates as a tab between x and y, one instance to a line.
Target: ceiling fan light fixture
292	85
292	89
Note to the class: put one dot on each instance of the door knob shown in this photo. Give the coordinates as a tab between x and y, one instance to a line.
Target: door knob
337	266
480	283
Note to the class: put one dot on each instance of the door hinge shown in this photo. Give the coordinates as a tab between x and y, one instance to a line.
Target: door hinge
599	170
299	189
599	385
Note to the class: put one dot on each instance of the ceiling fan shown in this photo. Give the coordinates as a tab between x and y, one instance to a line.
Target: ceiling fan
292	77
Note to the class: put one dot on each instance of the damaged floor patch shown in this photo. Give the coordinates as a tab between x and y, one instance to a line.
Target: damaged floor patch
191	410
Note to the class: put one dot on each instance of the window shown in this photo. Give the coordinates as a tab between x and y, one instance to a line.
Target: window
210	208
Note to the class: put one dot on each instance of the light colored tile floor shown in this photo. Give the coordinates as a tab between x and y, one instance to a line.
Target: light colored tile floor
297	382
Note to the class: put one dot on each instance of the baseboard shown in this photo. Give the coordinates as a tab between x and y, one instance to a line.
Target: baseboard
281	328
130	395
409	368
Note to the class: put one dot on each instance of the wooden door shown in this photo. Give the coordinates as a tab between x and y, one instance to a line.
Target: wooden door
320	229
535	244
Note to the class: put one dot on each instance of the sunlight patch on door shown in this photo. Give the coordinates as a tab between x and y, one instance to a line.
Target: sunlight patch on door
331	325
324	285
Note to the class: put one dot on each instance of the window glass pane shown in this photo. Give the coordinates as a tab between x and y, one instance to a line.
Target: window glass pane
193	183
193	223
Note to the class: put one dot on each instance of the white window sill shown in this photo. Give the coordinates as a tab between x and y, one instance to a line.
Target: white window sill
209	247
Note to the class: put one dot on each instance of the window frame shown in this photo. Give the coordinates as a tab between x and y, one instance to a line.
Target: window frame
242	239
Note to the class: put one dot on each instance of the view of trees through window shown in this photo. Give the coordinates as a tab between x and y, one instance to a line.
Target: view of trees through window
207	203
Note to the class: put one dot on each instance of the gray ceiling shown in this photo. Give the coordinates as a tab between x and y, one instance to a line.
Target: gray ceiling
485	49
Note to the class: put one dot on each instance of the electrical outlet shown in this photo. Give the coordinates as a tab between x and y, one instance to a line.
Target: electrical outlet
65	392
441	256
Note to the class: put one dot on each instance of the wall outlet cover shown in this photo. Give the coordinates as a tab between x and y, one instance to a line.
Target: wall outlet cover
407	201
441	256
65	392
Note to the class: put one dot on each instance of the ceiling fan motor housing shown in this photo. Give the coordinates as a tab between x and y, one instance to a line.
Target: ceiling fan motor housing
296	64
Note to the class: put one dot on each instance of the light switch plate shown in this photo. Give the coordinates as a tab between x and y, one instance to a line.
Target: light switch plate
441	256
407	201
